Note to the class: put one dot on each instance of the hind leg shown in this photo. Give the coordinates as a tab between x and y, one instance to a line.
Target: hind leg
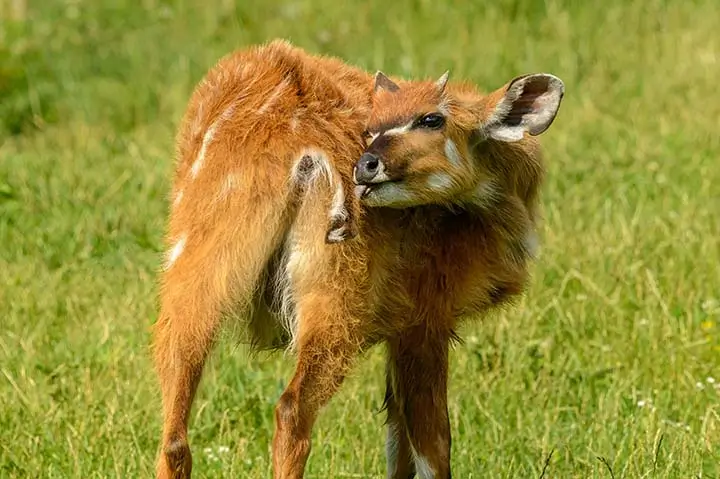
330	321
326	349
208	275
183	339
344	215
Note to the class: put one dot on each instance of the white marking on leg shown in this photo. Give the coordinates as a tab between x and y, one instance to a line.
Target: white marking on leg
422	466
338	214
320	165
294	264
273	97
175	252
326	167
452	153
392	447
531	243
209	135
337	235
301	172
338	203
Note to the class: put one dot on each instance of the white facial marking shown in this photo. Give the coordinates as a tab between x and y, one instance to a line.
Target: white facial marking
209	135
175	252
381	175
393	195
399	130
273	97
440	181
392	446
444	108
452	153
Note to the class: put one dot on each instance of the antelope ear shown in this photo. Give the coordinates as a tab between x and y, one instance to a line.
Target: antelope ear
528	103
382	81
442	81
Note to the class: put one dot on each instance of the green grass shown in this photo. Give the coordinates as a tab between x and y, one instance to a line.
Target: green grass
607	360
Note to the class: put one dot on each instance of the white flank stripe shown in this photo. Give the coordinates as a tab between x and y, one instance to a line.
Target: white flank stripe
230	183
209	135
273	97
295	120
178	199
175	252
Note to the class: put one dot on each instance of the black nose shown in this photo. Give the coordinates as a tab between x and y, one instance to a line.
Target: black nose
367	167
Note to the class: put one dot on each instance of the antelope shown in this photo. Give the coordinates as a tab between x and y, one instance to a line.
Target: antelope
333	210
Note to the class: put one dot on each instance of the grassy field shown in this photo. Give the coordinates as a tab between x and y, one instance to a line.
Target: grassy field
609	367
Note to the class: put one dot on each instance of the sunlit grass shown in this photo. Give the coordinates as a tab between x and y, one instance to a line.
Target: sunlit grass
610	362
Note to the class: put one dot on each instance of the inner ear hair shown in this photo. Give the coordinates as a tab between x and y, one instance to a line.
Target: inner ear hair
529	104
382	81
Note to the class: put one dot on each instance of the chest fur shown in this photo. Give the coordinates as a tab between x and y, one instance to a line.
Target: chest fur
452	264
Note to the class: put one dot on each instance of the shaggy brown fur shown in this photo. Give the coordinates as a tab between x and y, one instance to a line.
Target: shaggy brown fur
270	144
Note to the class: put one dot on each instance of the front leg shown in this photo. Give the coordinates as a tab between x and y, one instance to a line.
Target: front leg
418	423
398	453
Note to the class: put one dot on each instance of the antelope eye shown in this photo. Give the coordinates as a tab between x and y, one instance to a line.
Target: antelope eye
432	121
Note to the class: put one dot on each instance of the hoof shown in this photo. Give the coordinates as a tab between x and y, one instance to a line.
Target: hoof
176	462
340	230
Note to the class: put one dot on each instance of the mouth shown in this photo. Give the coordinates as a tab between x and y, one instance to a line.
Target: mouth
361	191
